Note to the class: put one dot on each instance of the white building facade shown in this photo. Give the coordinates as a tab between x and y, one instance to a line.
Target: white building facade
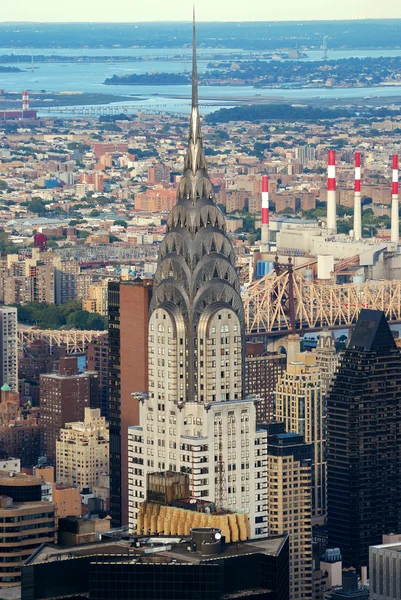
195	418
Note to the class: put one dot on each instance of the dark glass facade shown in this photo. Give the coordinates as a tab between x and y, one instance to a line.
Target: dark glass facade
256	575
21	493
167	576
154	581
364	441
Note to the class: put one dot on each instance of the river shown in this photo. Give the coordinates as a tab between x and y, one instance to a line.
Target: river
88	78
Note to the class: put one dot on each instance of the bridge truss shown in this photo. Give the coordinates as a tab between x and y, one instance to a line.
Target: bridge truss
285	302
75	341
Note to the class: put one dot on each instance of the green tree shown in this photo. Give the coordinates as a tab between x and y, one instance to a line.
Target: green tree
6	246
121	223
249	223
50	316
37	206
343	227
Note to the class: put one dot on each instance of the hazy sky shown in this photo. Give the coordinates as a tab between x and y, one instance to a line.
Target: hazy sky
207	10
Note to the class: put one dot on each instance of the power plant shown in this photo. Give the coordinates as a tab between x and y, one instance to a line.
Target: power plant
395	220
331	193
264	245
308	276
17	115
357	201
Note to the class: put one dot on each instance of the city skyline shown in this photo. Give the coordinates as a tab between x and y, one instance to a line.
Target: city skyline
122	11
220	411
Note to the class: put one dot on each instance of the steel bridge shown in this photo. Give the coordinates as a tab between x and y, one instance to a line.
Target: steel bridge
285	302
113	109
280	303
74	340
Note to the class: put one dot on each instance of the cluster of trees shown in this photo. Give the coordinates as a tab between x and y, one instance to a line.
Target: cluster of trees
256	113
370	223
286	112
114	118
9	69
51	316
36	205
149	79
4	187
6	246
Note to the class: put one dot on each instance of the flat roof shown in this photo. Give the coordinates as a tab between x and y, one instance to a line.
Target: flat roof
396	546
39	505
179	551
12	478
49	553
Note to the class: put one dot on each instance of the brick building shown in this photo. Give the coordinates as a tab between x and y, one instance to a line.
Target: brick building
63	398
100	148
158	173
19	429
128	373
262	371
287	201
37	358
158	199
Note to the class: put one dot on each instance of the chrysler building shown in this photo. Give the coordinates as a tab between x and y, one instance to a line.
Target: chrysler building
195	418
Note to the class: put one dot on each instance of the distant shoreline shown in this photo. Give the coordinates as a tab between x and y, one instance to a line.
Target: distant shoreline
365	34
10	69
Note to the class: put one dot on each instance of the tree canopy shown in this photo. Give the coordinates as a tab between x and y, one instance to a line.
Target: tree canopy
52	316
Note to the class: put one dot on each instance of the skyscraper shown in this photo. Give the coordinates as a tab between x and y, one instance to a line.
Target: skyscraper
327	359
301	405
364	441
128	373
196	419
98	360
9	347
289	502
262	371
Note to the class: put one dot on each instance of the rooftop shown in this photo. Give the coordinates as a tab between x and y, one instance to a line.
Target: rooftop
395	547
13	478
68	376
178	550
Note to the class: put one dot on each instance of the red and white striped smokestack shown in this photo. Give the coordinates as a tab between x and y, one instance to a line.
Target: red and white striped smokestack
395	220
25	101
264	244
331	193
357	200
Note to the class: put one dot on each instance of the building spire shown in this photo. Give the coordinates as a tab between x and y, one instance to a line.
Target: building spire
195	160
194	65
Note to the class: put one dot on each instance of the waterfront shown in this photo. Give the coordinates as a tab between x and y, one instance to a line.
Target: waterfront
89	78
